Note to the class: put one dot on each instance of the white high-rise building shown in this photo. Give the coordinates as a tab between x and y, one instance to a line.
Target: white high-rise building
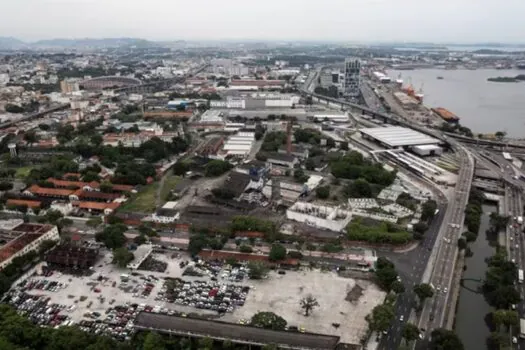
352	77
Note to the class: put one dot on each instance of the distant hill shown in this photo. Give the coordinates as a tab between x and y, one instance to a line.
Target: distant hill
7	43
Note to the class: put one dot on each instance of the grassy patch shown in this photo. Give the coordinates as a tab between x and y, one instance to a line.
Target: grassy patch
22	173
144	201
169	183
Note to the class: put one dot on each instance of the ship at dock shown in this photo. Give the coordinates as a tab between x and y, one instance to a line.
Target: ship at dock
446	115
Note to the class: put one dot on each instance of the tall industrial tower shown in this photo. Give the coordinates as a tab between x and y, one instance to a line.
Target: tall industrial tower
352	77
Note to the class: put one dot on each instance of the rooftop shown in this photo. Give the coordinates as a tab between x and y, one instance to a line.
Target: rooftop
238	333
27	233
397	136
281	156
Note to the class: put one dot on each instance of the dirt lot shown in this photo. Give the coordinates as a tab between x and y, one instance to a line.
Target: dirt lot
282	294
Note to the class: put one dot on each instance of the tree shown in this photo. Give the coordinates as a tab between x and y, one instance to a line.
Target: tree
423	291
398	287
112	236
428	209
462	243
153	341
444	339
420	227
244	248
6	186
122	256
381	317
268	320
94	222
308	304
216	167
300	176
257	270
205	343
106	187
500	135
139	239
277	252
322	192
410	332
359	188
31	137
470	236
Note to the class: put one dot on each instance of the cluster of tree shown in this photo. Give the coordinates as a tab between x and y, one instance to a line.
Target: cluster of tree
223	193
217	167
419	230
498	287
248	223
322	192
122	256
24	108
444	339
257	270
273	141
277	252
354	166
387	276
307	136
428	210
332	247
502	321
131	173
384	232
268	320
201	240
299	176
474	210
92	71
498	222
406	200
457	129
423	291
381	317
112	236
6	186
56	167
7	173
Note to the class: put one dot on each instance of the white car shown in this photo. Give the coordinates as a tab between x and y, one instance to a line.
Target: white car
445	290
517	246
514	340
513	261
401	318
438	288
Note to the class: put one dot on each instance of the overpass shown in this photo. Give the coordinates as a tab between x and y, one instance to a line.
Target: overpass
162	84
34	115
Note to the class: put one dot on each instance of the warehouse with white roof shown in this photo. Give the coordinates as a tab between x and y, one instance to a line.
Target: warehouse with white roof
398	137
240	144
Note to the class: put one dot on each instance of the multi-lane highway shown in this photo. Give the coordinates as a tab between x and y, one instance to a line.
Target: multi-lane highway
435	309
411	267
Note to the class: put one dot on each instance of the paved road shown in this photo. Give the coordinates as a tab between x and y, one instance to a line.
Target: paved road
411	267
435	309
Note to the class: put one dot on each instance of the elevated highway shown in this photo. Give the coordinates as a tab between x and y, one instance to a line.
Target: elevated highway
35	115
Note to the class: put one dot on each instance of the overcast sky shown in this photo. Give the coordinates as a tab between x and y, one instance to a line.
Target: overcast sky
341	20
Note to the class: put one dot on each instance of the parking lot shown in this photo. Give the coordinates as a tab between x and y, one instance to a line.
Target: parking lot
108	300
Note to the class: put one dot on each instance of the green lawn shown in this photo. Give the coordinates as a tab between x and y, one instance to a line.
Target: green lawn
170	183
22	173
144	201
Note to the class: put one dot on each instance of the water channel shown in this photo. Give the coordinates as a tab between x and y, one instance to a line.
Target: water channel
472	309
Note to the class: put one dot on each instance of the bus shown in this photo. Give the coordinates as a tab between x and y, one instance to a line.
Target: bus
522	328
520	276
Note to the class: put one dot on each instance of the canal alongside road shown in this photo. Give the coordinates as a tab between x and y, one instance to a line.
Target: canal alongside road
472	309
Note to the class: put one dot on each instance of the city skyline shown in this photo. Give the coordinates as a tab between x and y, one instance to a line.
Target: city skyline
341	21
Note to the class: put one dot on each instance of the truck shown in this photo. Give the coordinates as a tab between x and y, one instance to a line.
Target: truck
520	276
522	328
519	219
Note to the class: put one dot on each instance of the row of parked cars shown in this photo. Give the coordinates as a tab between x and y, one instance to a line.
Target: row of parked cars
39	309
210	295
44	284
